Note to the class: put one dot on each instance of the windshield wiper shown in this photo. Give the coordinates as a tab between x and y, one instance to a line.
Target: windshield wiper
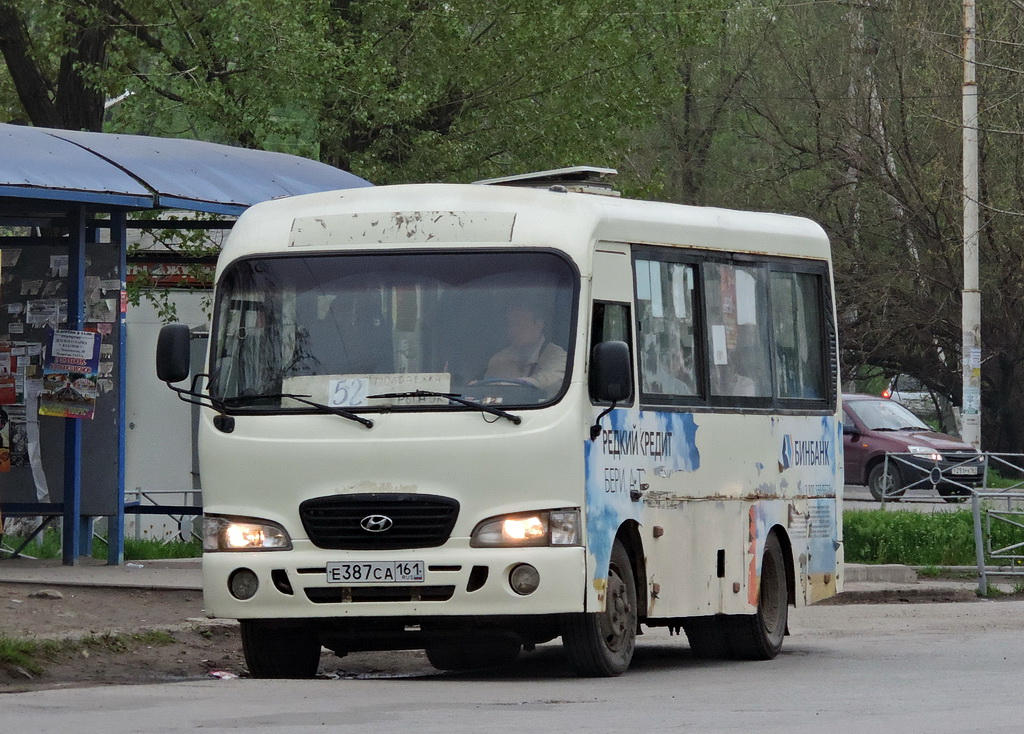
301	399
455	398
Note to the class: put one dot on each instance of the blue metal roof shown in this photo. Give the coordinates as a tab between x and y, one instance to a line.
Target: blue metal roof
141	172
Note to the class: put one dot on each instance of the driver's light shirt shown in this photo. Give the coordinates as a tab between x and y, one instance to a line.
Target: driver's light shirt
542	366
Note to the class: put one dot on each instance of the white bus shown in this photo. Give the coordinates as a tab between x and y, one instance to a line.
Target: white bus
472	419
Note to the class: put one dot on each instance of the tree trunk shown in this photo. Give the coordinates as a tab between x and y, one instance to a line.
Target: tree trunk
70	101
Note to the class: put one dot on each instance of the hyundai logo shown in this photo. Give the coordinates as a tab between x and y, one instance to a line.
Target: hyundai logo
376	523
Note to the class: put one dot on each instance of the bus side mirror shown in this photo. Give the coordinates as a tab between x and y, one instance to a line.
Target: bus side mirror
173	353
611	372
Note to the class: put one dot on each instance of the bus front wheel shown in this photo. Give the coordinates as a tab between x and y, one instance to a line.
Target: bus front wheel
273	651
602	644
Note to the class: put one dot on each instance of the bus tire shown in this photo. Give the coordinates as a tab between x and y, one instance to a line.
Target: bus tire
273	651
467	656
759	636
707	637
602	644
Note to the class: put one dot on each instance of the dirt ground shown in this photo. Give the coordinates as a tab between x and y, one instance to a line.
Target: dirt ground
102	640
103	637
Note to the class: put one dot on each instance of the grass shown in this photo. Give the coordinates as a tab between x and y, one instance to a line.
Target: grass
48	545
29	655
932	540
915	538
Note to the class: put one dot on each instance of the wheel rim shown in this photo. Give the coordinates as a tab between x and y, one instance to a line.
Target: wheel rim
886	482
616	620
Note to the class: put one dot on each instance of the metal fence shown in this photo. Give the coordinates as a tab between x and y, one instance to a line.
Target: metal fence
153	502
1000	508
993	482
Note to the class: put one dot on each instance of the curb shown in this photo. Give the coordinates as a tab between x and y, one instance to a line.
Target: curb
889	573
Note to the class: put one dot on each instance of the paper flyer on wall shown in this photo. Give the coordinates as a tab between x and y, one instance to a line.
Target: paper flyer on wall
5	441
70	373
8	375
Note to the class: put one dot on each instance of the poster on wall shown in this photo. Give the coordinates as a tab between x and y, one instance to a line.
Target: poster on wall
5	441
70	373
8	375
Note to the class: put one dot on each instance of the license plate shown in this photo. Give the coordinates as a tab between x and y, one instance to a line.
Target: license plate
964	470
374	572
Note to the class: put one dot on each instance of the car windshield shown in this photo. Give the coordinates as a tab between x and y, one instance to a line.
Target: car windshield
393	331
884	415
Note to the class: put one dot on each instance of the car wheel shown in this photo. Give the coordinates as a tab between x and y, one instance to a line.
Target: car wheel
953	494
886	482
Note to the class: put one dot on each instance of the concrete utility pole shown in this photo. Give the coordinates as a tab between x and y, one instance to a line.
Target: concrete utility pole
971	353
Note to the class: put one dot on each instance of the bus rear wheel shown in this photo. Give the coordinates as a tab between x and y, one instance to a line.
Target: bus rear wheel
708	637
467	656
602	644
759	636
273	651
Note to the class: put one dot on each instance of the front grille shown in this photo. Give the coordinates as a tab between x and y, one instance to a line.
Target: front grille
350	594
416	521
960	457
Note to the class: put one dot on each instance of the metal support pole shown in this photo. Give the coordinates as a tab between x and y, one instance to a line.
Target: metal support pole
971	304
979	544
115	527
72	532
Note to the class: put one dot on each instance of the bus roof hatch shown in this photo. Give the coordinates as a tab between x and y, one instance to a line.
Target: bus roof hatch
579	179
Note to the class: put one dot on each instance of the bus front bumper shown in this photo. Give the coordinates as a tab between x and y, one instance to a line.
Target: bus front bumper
295	584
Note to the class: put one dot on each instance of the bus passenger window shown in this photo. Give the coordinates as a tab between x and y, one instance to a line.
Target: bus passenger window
796	311
738	329
665	317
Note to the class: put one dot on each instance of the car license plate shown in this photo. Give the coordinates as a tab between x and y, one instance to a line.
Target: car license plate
964	471
375	572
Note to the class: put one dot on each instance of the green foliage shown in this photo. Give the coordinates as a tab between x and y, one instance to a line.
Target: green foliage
31	655
48	545
915	538
191	245
393	90
19	653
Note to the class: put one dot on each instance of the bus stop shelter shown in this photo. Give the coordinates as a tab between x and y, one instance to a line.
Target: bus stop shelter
65	203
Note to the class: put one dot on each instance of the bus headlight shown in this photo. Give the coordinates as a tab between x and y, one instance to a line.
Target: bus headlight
527	529
243	534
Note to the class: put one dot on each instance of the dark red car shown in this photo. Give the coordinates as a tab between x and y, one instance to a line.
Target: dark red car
921	457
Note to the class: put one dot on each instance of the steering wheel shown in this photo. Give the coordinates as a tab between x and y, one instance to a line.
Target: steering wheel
518	382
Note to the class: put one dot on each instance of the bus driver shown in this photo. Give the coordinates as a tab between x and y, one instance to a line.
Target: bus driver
530	358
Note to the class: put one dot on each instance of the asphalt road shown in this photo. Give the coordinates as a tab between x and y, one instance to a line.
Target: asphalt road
915	500
853	668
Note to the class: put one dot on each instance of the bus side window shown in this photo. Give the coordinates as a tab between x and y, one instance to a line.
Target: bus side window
796	313
666	319
737	323
610	322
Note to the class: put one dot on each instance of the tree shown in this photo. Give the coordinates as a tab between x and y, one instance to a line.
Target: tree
850	113
54	54
394	90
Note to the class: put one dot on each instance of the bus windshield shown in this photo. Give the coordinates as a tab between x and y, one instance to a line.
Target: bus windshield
344	330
